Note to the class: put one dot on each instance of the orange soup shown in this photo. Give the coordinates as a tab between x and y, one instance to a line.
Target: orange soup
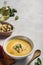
18	47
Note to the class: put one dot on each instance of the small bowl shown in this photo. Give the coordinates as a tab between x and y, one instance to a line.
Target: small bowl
6	34
18	37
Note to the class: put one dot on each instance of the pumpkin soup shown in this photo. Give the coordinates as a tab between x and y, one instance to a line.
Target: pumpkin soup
18	47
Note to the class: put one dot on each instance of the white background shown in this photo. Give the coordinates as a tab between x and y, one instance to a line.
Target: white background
30	23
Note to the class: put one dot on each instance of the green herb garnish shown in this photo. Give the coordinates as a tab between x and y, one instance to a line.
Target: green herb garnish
14	10
20	46
17	46
12	14
38	62
16	18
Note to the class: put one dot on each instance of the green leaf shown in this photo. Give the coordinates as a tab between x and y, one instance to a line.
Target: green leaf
39	61
12	15
14	10
36	63
17	46
16	18
20	46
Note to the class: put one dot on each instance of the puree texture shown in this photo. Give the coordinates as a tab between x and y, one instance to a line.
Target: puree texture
27	48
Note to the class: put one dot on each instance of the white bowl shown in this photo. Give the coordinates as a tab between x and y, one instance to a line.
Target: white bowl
18	37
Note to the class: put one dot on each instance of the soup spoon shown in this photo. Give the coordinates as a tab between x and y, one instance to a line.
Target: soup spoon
37	53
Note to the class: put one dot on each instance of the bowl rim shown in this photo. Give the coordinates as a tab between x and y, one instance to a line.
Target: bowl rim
25	37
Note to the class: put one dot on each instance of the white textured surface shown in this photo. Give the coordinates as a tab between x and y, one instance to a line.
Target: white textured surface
30	22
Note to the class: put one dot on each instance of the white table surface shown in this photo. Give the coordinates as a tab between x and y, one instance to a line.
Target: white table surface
30	23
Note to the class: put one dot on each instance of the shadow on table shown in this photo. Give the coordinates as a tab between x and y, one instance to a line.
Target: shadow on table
21	62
